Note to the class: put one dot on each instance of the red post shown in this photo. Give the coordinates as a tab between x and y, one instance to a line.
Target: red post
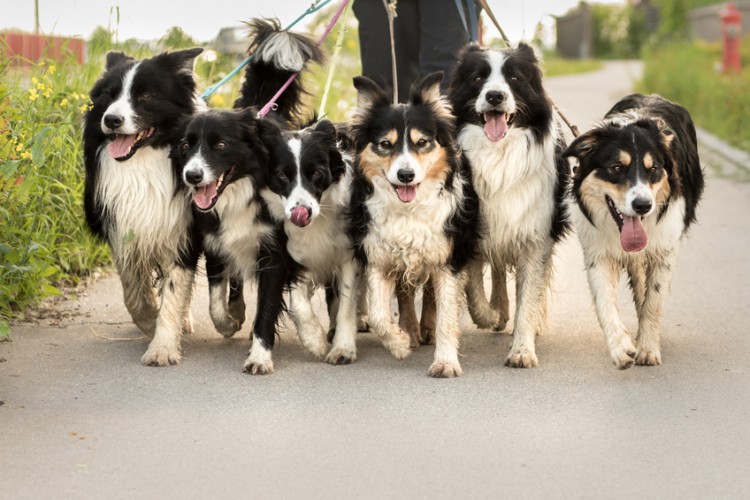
730	28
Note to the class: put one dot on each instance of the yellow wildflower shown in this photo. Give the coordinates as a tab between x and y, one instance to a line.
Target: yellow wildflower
19	147
35	81
52	69
64	102
41	86
25	155
33	94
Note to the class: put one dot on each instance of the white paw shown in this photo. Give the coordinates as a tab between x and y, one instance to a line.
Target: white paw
398	345
341	356
623	354
445	369
259	361
227	326
314	340
648	357
161	356
521	358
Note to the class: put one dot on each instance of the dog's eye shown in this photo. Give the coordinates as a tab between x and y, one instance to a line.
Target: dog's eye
184	146
146	96
422	143
221	145
653	170
316	175
385	144
513	78
477	79
617	168
281	175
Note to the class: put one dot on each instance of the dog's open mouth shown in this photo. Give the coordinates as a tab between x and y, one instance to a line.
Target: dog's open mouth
124	146
496	124
633	237
205	197
406	193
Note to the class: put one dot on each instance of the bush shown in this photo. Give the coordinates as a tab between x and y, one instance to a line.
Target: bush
687	74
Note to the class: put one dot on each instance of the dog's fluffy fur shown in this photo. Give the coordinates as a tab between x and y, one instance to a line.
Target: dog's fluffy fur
309	191
634	195
507	131
414	211
226	161
133	195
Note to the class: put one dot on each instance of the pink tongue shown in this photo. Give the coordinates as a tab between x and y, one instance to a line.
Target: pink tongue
121	145
495	126
633	237
406	193
300	216
204	195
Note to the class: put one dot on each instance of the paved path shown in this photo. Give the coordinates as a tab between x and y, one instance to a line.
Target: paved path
83	419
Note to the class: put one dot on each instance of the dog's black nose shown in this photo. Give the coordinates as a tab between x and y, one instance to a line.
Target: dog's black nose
494	97
113	121
194	176
405	175
641	205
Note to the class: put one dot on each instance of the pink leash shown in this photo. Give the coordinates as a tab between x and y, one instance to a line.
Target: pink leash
272	103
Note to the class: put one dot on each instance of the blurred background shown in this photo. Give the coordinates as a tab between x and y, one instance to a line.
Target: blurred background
52	52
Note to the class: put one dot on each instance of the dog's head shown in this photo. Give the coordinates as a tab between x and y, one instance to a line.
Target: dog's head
627	171
404	145
142	103
219	148
499	89
303	165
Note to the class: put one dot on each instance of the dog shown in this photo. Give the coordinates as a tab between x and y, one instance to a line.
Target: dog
414	211
133	196
513	143
634	196
309	192
225	160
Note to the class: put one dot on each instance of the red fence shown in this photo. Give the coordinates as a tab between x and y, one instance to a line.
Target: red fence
31	48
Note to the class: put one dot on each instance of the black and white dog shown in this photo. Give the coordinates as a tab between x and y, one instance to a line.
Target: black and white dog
414	211
633	198
309	191
226	160
508	132
134	198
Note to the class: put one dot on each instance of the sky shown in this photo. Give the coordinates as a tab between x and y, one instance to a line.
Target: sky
150	19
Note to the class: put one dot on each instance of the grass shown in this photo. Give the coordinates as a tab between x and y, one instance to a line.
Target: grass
687	73
556	66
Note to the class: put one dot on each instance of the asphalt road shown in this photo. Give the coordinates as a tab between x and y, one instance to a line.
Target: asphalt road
81	418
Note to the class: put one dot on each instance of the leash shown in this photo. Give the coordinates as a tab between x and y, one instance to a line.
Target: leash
472	26
272	103
483	3
314	7
390	11
334	61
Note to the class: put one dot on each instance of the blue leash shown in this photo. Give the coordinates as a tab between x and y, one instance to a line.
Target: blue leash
213	88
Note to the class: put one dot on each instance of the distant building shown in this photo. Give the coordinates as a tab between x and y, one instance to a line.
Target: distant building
231	40
26	48
575	36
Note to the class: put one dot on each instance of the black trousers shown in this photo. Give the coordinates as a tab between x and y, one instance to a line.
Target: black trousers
428	36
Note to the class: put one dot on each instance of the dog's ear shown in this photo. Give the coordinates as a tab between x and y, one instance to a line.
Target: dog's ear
426	90
115	58
335	160
583	145
526	52
369	93
666	134
326	128
182	59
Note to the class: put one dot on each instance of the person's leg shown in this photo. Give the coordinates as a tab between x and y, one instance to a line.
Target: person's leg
442	35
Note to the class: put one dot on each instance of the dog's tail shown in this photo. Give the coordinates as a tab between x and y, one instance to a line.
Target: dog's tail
277	55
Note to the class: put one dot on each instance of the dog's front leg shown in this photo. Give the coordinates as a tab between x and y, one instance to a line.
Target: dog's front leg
479	308
176	293
380	289
309	329
658	283
499	299
139	297
407	312
344	349
603	276
224	321
447	289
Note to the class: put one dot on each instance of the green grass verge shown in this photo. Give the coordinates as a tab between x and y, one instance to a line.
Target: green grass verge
687	74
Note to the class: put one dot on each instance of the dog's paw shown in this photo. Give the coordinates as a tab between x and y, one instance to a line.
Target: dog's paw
521	358
362	324
313	338
161	356
623	355
648	357
258	367
341	356
445	369
427	336
227	326
399	346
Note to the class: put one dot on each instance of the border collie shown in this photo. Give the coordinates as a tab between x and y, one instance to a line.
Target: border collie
414	211
133	195
309	191
225	161
508	133
633	198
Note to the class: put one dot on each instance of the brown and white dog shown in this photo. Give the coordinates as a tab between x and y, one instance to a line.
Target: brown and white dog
633	197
